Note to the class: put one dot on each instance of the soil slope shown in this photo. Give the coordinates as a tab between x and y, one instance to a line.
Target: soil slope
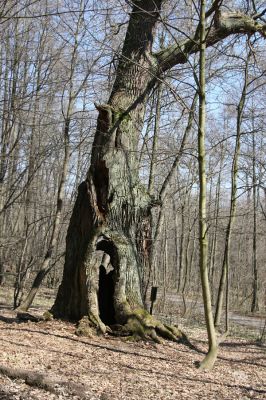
46	360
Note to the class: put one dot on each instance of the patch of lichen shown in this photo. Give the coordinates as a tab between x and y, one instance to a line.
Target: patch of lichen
140	331
142	315
134	326
121	115
85	328
175	330
142	325
47	316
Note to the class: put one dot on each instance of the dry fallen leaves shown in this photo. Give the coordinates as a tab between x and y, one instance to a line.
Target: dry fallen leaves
109	368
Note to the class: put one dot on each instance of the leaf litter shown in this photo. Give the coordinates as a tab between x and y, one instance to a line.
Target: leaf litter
53	364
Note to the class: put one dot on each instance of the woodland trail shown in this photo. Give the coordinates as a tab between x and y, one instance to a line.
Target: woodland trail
253	322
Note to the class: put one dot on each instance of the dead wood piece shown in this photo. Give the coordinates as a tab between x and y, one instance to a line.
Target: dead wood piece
44	381
24	316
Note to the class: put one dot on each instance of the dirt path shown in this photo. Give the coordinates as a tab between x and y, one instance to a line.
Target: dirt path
105	368
253	322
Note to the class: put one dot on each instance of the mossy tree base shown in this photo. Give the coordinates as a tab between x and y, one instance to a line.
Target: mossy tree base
139	325
142	325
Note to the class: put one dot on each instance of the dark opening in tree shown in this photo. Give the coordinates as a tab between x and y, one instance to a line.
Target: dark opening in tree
106	283
106	296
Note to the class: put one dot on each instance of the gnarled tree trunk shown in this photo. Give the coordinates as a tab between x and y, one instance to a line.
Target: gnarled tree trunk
113	210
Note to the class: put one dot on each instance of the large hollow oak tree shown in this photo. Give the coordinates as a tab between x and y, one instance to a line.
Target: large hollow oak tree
111	220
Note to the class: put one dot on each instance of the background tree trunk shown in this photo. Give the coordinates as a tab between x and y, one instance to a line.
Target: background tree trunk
232	214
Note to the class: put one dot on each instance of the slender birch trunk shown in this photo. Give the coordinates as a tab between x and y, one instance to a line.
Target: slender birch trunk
211	356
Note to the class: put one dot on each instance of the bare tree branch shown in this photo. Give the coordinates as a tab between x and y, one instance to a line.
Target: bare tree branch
225	24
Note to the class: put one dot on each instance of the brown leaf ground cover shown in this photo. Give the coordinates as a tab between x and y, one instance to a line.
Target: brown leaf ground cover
46	360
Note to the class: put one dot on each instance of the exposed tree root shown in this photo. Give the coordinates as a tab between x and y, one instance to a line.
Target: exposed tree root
91	325
85	328
44	381
140	325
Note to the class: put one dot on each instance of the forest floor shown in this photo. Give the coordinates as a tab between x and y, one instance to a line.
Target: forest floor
47	361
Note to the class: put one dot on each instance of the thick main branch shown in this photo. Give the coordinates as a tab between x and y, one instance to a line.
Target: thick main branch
225	24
